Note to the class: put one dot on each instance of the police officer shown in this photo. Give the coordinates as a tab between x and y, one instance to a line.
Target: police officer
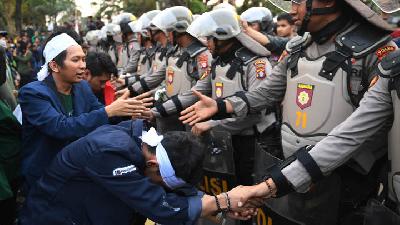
188	62
129	40
156	74
379	105
258	20
319	84
140	61
92	37
237	66
110	41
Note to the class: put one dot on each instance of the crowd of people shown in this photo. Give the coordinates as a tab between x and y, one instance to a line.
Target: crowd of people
294	115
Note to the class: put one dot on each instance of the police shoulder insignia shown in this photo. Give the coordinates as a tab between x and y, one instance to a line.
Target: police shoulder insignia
203	60
260	69
219	89
382	52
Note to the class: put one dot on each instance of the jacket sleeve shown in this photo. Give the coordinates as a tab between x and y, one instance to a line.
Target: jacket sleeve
343	141
122	179
37	108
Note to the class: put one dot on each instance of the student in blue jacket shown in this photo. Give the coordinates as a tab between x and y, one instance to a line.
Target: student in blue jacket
60	107
105	176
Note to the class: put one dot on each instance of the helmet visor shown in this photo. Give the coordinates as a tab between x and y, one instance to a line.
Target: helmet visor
165	20
203	27
388	6
284	5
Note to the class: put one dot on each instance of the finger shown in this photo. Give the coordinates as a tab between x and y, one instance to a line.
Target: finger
190	114
198	94
185	112
198	119
151	99
144	95
190	119
132	101
125	94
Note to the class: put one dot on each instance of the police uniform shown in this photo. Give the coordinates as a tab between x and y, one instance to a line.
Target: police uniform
156	74
240	73
140	61
98	181
378	106
319	85
185	67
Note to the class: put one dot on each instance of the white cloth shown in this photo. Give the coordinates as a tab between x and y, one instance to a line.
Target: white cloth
52	49
166	170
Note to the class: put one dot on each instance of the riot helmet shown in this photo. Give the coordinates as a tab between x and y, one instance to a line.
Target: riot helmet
260	15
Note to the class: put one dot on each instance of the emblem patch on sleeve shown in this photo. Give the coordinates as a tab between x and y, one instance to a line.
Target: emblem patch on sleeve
219	89
170	75
384	51
123	170
203	61
304	95
260	69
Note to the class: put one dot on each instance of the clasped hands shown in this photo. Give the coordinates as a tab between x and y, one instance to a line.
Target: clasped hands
244	200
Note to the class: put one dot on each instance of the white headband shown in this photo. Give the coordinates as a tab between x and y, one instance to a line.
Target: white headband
52	49
166	170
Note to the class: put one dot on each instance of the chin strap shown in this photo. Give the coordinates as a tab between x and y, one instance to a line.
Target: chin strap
314	11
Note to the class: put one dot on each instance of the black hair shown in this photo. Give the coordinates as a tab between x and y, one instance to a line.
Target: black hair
99	63
186	153
287	17
60	58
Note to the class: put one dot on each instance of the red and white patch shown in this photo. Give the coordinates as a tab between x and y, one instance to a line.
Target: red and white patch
203	61
260	69
170	75
304	95
384	51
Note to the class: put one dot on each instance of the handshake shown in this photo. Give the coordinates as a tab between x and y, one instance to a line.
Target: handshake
239	203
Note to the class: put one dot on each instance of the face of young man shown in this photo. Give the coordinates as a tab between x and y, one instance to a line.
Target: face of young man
74	67
97	83
284	29
151	170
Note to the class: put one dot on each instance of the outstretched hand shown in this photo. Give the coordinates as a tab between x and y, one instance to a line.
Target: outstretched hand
201	110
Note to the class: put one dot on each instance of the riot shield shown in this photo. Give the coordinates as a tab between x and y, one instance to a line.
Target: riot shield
274	210
219	167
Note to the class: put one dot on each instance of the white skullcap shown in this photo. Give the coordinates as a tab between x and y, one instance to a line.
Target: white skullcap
166	170
52	49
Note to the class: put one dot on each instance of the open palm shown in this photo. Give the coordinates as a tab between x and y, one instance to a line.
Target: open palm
201	110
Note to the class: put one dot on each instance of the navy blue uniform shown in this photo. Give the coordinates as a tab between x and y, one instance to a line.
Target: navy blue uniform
99	180
47	128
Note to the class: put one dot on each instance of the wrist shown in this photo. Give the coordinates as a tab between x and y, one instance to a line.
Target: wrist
109	111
